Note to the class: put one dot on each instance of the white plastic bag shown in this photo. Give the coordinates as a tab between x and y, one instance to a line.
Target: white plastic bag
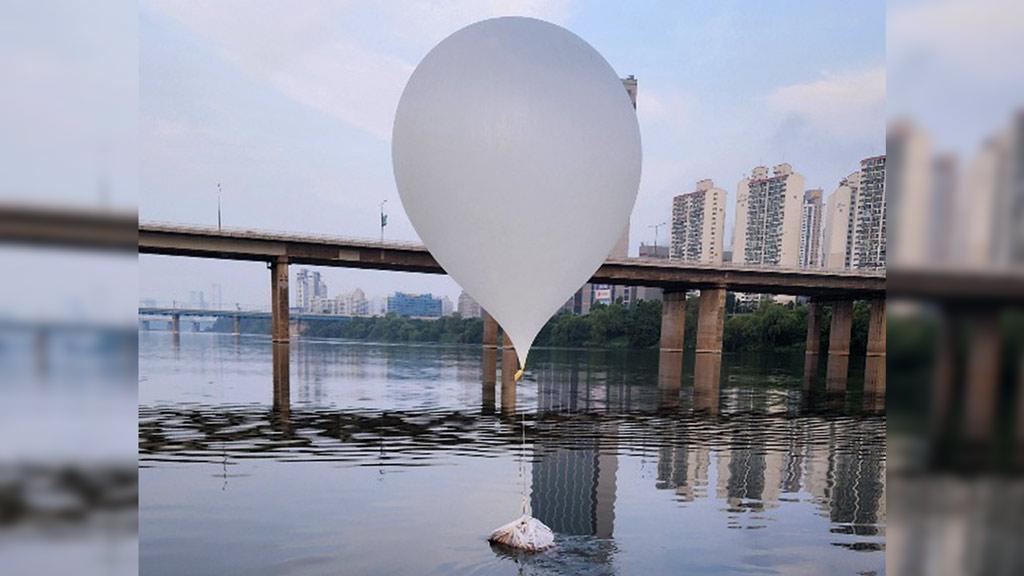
525	533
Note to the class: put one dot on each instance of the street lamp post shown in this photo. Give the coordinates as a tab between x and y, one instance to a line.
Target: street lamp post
656	228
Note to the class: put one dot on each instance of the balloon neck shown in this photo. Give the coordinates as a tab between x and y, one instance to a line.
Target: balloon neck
519	375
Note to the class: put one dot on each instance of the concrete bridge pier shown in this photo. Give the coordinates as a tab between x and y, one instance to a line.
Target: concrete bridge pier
982	377
839	347
673	321
490	330
175	324
238	325
279	299
874	365
708	364
509	366
670	379
489	379
282	377
943	371
813	346
670	357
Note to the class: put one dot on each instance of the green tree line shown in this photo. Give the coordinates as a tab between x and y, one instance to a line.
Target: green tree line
768	327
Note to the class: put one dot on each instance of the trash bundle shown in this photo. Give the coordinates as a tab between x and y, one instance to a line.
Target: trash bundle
525	533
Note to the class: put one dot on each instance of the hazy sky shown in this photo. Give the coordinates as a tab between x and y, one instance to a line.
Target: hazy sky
289	106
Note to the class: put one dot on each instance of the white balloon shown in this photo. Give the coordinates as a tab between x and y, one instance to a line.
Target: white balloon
516	152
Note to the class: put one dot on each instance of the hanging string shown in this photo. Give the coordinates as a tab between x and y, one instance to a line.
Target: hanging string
522	466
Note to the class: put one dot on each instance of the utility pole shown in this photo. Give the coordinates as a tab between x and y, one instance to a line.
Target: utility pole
656	228
383	220
218	206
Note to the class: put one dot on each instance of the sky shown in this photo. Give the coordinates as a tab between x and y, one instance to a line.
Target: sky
289	105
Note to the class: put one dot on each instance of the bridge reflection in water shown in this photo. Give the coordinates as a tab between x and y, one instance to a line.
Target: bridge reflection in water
764	447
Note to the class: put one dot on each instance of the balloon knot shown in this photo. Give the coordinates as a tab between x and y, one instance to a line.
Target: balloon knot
519	375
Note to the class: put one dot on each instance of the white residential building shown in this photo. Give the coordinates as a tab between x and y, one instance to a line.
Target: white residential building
698	224
768	212
867	228
837	221
810	229
467	306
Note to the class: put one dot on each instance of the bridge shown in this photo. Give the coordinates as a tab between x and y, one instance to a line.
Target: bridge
318	250
946	287
838	288
175	315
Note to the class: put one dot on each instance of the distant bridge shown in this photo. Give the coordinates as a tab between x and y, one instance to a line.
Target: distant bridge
244	314
146	313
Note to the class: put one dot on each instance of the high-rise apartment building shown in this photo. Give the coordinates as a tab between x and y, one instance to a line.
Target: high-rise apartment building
698	224
945	190
837	223
319	286
768	217
977	212
867	225
810	229
310	290
467	307
1007	235
909	153
303	293
855	219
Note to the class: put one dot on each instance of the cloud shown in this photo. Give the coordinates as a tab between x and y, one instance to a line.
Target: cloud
974	38
664	108
848	105
301	48
429	22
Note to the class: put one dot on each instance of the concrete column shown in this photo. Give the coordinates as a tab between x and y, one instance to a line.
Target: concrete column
673	321
670	370
1019	448
490	330
944	370
839	347
175	323
282	377
874	365
279	299
708	364
509	366
711	321
982	390
489	367
238	325
813	345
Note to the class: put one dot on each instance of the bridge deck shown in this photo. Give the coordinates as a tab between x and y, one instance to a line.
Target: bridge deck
203	242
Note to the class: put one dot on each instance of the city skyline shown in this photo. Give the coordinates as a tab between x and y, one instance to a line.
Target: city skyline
313	146
834	232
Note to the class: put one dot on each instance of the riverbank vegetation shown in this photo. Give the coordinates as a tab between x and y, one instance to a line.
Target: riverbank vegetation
768	327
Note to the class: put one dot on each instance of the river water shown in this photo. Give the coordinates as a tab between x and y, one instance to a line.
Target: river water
400	459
